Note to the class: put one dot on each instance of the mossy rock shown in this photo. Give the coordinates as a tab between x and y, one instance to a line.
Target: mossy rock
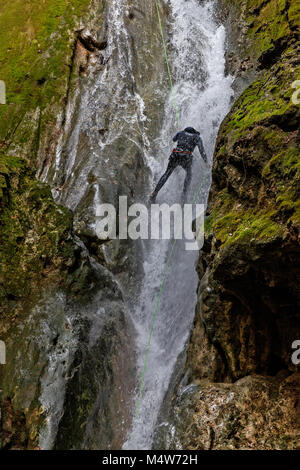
34	231
255	192
38	42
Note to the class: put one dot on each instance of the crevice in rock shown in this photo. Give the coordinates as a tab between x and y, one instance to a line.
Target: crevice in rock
273	54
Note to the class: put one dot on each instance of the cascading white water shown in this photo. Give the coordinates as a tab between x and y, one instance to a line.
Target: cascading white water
107	101
203	95
90	164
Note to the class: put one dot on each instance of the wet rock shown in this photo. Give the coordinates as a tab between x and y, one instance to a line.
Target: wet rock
247	314
48	282
60	302
90	42
255	412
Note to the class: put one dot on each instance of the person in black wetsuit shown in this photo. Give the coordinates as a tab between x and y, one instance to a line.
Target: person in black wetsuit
182	155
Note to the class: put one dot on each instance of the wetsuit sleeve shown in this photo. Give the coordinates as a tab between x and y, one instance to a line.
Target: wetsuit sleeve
175	138
201	149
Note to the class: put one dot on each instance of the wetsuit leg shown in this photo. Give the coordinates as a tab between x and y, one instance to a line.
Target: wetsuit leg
188	176
170	168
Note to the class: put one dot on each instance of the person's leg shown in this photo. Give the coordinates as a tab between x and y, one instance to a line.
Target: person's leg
188	176
170	168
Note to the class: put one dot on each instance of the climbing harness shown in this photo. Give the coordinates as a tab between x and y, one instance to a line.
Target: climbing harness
181	151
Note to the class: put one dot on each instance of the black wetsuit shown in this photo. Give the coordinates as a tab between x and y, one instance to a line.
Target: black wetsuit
182	155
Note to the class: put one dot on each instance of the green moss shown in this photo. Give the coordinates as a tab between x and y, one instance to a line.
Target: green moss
37	40
283	172
233	221
257	140
231	225
223	203
34	230
286	163
243	227
267	23
209	224
294	14
37	45
270	95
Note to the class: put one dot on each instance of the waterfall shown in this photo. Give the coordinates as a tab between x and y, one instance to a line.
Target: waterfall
203	94
93	167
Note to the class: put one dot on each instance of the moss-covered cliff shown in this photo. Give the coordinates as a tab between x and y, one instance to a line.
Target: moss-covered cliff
75	81
67	382
40	65
248	311
38	45
47	278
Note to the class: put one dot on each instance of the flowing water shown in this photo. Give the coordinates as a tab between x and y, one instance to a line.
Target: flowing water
90	162
202	94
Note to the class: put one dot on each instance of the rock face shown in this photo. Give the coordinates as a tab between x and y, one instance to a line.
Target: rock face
62	313
247	315
68	380
253	413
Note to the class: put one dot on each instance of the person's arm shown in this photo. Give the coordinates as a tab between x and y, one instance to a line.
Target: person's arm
201	149
175	138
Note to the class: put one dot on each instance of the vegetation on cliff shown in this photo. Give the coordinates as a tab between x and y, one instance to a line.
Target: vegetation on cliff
35	237
37	50
38	56
247	316
37	60
258	142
